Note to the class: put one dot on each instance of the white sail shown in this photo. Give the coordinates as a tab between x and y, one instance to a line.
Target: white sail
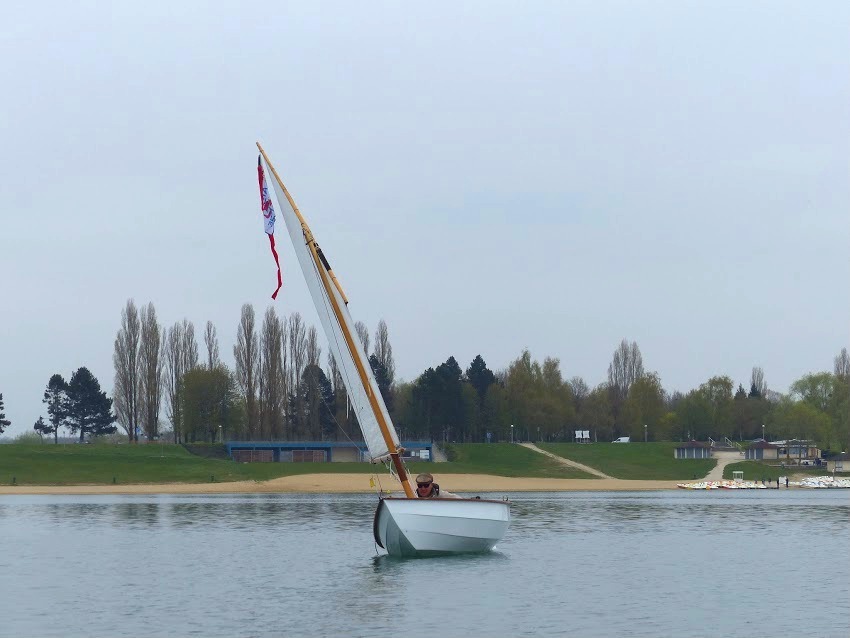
337	344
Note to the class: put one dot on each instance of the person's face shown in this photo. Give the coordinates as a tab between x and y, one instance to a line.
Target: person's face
424	489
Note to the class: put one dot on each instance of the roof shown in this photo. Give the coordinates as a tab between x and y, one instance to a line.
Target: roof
763	445
844	456
693	444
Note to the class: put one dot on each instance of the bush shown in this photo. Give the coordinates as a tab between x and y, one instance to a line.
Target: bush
29	438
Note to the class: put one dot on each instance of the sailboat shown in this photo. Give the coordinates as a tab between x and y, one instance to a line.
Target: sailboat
403	526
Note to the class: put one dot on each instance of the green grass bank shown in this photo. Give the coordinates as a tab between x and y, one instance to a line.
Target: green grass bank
503	459
75	464
633	461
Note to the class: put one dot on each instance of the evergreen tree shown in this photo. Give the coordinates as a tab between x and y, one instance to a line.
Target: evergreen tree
41	427
56	398
480	377
319	401
425	405
382	376
494	413
89	409
450	399
4	422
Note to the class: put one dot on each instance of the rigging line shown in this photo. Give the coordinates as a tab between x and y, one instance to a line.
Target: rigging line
329	313
325	305
339	425
326	308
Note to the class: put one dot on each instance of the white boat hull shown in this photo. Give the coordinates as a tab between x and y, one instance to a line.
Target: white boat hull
426	527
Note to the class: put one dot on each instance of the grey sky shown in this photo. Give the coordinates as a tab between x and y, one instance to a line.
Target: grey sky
486	177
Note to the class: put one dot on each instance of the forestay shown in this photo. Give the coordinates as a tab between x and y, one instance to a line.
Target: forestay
337	344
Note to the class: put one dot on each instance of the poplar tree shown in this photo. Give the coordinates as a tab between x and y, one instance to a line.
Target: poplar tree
247	355
384	350
151	360
363	334
125	359
271	383
297	362
211	342
181	355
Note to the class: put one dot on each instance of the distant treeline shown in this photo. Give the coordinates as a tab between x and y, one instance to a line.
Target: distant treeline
448	404
282	388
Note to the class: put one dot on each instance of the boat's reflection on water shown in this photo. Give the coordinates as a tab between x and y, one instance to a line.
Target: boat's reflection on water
386	564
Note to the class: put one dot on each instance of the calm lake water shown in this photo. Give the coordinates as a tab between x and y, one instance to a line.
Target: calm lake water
578	564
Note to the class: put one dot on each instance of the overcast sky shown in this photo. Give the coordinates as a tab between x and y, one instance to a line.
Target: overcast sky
486	177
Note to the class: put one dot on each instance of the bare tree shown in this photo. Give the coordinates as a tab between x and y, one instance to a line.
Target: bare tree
580	391
247	355
181	355
151	348
340	394
272	389
211	341
284	365
757	382
125	359
363	333
384	351
626	367
314	352
190	347
173	376
297	362
842	365
311	382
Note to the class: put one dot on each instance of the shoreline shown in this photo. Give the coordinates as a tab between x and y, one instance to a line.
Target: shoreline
352	484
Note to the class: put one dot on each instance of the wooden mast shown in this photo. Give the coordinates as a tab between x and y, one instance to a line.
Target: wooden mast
328	280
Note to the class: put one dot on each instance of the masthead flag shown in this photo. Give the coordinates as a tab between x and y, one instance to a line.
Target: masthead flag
268	218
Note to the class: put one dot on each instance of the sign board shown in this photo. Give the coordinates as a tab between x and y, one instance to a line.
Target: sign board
425	455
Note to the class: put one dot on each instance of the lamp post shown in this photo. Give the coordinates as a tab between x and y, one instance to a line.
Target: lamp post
512	432
762	433
644	433
220	435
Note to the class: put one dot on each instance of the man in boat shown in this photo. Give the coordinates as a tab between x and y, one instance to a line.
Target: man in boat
427	488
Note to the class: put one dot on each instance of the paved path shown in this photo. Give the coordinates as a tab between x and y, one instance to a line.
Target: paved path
723	459
567	462
438	454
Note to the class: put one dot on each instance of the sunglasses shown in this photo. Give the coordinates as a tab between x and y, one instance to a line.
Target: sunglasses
423	485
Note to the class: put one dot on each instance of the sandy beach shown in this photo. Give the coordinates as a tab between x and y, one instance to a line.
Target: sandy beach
350	483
